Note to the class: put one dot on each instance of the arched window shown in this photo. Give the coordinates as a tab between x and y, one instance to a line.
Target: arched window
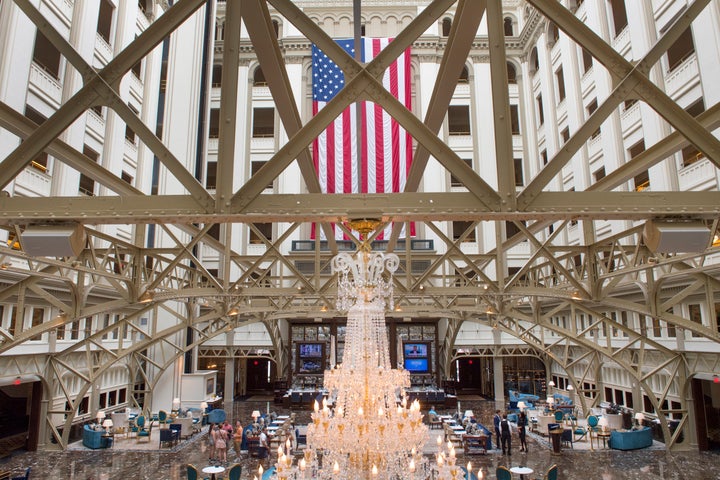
220	30
259	78
534	61
276	28
446	24
463	75
511	73
553	34
508	27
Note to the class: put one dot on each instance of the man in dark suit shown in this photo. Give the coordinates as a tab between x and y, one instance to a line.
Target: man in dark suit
496	422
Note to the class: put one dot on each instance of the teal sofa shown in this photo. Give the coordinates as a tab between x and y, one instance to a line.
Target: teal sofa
92	438
631	439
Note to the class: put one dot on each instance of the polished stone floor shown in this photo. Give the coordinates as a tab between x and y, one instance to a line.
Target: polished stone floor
120	463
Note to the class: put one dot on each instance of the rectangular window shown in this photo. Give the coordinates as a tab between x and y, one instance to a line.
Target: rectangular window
454	181
544	157
514	120
459	120
126	177
592	106
46	55
130	135
599	174
214	123
211	176
41	161
690	154
37	319
459	227
587	61
87	184
695	316
560	79
540	112
263	122
265	230
619	15
679	51
105	19
565	134
217	75
519	180
255	167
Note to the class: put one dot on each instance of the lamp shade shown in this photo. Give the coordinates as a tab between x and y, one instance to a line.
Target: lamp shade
176	403
107	423
639	416
551	383
550	400
469	414
255	414
203	405
521	405
603	422
570	388
100	415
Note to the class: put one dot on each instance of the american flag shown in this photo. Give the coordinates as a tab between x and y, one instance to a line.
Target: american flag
386	148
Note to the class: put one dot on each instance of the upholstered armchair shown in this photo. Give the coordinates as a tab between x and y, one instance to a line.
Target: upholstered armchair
144	430
234	472
192	472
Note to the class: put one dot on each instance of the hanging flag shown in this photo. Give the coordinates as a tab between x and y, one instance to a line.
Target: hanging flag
383	161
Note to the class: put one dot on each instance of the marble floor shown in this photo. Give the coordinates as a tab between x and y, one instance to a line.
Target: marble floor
152	463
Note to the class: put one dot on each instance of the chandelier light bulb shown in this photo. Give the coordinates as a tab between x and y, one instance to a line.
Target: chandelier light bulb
336	467
374	470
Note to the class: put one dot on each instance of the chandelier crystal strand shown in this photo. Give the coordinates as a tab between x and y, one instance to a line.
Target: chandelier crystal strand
369	431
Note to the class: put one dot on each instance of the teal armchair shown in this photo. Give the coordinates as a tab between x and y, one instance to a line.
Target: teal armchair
234	472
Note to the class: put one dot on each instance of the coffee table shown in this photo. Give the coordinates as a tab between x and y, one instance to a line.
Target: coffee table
213	470
522	471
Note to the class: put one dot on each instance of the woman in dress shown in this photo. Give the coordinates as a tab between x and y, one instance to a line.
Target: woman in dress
522	423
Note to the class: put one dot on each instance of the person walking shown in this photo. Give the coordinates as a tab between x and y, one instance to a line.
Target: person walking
496	422
505	435
522	424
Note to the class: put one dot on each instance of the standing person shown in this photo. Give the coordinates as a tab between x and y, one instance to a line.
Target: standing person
522	423
505	435
221	440
212	438
496	422
264	448
237	438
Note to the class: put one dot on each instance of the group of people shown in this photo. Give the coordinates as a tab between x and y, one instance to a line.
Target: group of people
220	435
503	431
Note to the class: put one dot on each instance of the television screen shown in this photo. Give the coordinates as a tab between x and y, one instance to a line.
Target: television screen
310	366
311	350
417	365
415	350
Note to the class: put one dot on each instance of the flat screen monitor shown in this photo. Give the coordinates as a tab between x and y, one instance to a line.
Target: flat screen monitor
310	350
416	350
309	365
416	365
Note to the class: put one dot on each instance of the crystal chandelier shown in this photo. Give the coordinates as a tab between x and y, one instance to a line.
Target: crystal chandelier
368	431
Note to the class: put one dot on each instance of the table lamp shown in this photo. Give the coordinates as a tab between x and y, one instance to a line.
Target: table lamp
100	416
521	405
203	406
603	422
107	425
255	414
469	414
176	404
